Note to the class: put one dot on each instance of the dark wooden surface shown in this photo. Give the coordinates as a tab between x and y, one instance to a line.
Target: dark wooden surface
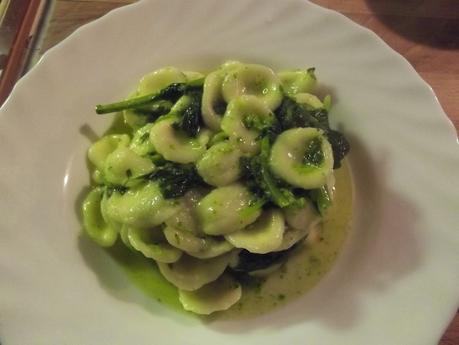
425	32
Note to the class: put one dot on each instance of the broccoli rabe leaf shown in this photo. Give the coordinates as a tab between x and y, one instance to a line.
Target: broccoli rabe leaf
190	119
340	146
291	115
262	182
175	179
314	154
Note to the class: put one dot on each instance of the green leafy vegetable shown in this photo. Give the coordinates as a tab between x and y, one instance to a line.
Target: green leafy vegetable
314	154
191	121
175	179
340	146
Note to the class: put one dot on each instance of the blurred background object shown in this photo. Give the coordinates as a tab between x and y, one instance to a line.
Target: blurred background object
19	26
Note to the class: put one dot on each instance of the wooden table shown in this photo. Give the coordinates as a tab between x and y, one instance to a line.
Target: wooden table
425	32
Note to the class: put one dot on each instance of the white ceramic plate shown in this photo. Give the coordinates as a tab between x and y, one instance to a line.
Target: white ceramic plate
397	279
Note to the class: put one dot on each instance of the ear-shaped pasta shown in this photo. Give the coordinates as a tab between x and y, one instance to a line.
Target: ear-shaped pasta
185	219
303	157
141	143
297	81
244	119
141	206
251	79
99	151
212	99
124	231
218	295
301	217
159	79
123	164
261	237
193	76
93	221
294	236
149	242
219	166
190	273
227	209
204	247
308	99
176	146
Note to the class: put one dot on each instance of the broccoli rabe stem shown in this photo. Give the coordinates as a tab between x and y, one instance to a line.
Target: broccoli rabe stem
132	103
169	93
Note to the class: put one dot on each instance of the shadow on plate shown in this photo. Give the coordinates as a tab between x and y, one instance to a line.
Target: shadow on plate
432	22
382	249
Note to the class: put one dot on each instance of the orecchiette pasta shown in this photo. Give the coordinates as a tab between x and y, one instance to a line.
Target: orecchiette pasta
214	177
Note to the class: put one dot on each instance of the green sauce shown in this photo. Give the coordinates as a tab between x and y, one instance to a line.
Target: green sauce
305	267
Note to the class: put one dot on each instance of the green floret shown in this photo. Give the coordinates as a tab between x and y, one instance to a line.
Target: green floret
263	183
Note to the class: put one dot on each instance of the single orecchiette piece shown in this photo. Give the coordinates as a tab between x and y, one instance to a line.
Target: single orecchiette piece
185	219
227	209
218	295
141	143
176	146
308	99
301	217
99	151
261	237
123	164
219	166
203	247
149	242
213	106
244	119
297	81
140	206
190	273
93	221
300	221
293	236
193	76
303	157
251	79
158	80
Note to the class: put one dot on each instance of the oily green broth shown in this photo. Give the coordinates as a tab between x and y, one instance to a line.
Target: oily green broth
304	268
